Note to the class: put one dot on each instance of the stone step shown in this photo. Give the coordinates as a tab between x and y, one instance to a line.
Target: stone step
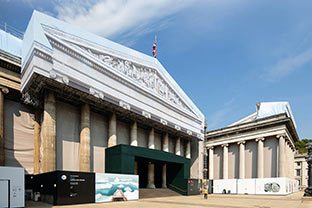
155	193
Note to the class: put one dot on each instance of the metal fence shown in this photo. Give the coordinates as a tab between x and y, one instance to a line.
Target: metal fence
9	29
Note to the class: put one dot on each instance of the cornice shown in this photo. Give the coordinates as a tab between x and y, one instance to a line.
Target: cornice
250	126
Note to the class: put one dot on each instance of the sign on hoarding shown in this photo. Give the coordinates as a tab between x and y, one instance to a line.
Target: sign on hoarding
116	187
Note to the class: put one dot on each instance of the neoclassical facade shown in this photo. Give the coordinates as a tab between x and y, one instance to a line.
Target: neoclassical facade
260	145
83	94
301	170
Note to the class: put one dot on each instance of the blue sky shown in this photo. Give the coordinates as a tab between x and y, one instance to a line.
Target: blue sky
227	55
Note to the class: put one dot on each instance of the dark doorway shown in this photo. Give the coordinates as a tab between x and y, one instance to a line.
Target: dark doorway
142	171
158	174
174	173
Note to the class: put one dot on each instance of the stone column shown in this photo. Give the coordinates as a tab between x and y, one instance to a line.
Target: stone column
151	139
188	149
112	131
178	146
136	170
165	144
287	162
260	169
37	142
151	176
164	176
134	134
281	155
225	161
241	159
210	155
49	132
84	163
2	143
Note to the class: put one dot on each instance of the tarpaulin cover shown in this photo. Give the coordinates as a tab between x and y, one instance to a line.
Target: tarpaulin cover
10	44
267	109
19	135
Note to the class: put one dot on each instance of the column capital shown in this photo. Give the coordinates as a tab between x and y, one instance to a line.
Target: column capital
260	139
5	90
241	142
281	136
210	147
224	145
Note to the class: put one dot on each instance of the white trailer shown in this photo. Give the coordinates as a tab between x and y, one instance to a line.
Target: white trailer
12	187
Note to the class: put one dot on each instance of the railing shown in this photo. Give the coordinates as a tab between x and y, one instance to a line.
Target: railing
171	186
9	29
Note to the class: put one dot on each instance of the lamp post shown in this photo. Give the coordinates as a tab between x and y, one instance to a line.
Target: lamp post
308	190
205	153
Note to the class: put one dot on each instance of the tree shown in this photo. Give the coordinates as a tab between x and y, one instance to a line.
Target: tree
301	145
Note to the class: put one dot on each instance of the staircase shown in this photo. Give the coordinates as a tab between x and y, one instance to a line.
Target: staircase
155	193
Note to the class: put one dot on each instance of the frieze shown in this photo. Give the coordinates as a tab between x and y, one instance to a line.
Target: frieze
145	76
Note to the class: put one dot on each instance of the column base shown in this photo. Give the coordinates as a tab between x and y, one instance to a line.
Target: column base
151	186
164	186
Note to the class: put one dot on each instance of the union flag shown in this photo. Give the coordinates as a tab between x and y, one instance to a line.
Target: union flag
154	49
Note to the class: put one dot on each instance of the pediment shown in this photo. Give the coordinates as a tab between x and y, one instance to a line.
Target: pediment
142	73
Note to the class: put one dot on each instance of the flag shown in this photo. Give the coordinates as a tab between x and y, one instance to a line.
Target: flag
154	49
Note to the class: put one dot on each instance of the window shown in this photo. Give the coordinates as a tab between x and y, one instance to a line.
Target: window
298	163
298	173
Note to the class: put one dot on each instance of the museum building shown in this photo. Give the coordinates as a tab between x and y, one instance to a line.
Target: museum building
74	101
261	145
301	169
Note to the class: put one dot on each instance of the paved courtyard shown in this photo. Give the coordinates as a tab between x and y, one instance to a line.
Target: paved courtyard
214	201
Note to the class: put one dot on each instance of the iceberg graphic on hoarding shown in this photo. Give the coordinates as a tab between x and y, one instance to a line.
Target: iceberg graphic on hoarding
116	187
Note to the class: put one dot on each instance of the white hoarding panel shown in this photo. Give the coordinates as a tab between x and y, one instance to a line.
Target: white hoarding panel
267	186
246	186
16	177
4	186
225	184
271	186
116	187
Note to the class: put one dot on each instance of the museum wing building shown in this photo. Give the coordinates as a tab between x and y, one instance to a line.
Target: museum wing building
261	145
84	103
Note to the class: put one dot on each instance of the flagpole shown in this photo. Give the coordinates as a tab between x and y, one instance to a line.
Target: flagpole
154	46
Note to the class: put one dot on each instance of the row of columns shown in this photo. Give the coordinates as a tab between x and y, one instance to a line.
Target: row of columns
3	90
49	136
260	159
165	144
151	176
165	147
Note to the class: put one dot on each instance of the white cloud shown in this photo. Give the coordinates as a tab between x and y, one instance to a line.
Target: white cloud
110	18
220	117
287	66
